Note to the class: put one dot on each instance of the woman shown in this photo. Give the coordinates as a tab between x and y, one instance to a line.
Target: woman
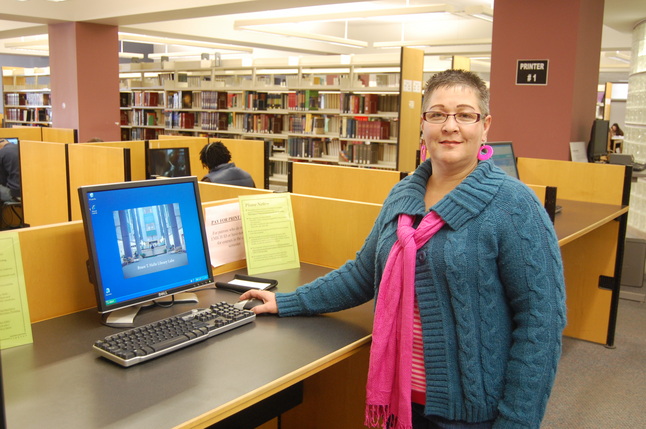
467	274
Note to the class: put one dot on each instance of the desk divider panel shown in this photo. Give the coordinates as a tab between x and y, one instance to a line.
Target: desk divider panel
579	181
330	231
348	183
250	155
23	133
43	168
54	263
59	135
93	165
137	156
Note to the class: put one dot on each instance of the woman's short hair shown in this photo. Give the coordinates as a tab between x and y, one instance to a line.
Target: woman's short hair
214	154
452	78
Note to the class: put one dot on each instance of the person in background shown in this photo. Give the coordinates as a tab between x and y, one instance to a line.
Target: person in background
9	171
615	130
215	156
466	270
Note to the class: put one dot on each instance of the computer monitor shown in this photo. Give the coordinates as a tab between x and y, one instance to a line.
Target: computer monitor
14	140
598	145
168	162
504	157
146	241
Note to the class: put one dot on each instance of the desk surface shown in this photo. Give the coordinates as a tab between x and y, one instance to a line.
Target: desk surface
58	381
578	218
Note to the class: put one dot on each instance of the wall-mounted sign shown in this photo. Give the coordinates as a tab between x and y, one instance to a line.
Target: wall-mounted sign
531	72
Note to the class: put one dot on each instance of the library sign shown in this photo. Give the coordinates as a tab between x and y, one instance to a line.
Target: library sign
531	72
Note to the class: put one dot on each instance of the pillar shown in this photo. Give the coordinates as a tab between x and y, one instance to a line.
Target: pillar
84	66
635	129
542	119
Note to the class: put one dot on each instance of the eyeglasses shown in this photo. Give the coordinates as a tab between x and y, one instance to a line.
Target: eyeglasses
435	117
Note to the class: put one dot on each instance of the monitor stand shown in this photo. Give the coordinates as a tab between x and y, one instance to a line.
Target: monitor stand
125	317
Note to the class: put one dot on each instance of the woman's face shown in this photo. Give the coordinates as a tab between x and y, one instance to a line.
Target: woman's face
451	145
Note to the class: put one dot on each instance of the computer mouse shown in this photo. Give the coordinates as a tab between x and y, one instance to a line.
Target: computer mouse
248	304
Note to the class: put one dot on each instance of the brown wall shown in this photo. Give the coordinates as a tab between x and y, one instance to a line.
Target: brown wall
542	120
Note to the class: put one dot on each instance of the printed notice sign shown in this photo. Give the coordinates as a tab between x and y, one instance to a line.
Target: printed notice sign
531	72
224	233
269	233
15	325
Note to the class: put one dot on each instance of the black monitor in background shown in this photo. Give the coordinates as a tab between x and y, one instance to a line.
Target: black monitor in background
504	157
598	145
168	162
14	140
146	241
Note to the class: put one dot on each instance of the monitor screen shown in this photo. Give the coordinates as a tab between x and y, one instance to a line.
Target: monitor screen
14	140
504	157
168	162
146	240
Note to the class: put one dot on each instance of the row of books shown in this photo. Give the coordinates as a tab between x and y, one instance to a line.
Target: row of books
147	98
29	115
360	153
307	147
313	124
368	103
145	117
183	120
28	99
302	100
362	128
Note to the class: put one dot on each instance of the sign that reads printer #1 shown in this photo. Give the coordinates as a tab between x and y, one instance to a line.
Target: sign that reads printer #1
531	72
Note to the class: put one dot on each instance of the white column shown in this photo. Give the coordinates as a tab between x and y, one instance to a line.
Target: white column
635	132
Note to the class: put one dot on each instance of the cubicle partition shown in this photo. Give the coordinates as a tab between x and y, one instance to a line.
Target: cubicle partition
59	135
591	230
43	168
250	155
349	183
45	134
137	156
93	165
23	133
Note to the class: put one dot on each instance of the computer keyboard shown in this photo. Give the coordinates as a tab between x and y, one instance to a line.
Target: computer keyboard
147	342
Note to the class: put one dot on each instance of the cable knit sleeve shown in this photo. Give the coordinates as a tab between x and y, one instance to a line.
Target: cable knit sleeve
531	272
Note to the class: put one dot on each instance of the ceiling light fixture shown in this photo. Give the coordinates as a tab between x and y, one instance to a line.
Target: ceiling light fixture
130	37
256	24
428	43
481	12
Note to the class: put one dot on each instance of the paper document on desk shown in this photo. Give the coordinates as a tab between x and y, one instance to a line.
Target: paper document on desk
269	232
224	234
15	324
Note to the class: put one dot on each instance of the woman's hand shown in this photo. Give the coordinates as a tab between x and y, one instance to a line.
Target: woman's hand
268	298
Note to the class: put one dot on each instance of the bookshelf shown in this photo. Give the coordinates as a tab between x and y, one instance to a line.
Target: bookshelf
333	110
27	96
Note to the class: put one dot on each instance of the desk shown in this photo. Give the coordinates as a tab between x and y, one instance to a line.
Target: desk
58	381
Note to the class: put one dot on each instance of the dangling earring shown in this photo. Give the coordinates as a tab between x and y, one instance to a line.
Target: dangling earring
485	152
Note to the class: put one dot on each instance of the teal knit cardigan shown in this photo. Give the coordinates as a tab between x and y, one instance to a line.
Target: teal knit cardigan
490	290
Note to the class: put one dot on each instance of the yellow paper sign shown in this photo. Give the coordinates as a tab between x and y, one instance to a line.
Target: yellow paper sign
269	233
15	325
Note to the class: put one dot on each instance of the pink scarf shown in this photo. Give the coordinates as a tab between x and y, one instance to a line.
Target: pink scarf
388	397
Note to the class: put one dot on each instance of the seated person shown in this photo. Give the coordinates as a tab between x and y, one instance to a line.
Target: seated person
215	156
9	171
